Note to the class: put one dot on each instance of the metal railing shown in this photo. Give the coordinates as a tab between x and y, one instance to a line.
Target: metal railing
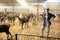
30	37
33	37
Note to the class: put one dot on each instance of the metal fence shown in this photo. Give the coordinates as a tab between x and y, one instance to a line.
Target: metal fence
30	37
33	37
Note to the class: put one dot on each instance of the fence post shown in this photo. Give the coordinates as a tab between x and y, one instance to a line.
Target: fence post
16	36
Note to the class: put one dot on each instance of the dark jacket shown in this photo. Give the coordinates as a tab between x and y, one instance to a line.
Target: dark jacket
49	17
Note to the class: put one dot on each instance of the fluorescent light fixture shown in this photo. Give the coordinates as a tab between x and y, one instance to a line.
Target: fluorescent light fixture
53	0
31	4
22	2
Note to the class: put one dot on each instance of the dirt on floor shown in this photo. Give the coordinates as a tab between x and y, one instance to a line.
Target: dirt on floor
34	28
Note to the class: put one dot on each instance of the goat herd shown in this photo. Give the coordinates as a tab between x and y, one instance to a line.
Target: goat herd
5	28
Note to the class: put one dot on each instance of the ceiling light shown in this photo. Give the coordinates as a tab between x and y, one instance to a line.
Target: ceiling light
22	2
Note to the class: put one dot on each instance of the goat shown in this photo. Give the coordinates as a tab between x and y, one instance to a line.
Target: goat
5	28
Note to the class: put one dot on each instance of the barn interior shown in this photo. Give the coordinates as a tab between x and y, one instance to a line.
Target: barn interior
23	8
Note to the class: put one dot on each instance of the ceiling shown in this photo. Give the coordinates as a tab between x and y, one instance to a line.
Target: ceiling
54	3
10	2
34	1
